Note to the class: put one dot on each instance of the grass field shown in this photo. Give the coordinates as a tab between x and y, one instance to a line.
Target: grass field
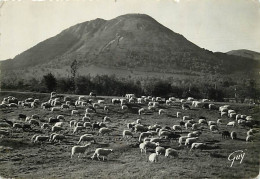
20	158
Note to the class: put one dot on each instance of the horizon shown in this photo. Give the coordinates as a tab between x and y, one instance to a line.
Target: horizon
18	33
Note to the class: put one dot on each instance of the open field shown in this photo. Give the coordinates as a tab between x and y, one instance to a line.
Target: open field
20	158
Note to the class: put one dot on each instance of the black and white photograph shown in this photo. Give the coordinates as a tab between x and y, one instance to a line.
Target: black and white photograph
129	89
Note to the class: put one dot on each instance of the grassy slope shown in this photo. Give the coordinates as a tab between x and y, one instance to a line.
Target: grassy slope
27	160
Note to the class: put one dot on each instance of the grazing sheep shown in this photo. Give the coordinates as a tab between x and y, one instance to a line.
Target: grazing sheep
138	121
194	126
191	140
232	123
40	139
101	152
140	111
104	130
59	124
223	114
101	101
177	127
78	128
153	157
143	146
87	124
197	145
194	134
87	137
60	117
53	120
57	137
182	139
171	152
127	133
79	149
188	125
233	135
211	123
178	114
17	125
74	112
56	128
34	122
65	106
213	127
45	125
85	119
55	109
161	111
159	150
203	121
139	128
225	134
219	121
107	119
115	101
143	135
124	107
185	118
95	105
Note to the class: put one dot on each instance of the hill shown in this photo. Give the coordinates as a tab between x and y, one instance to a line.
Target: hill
131	42
245	53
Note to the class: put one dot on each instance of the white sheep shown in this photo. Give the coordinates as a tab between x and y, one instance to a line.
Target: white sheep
191	140
233	135
79	149
101	152
107	119
219	121
78	128
176	127
59	124
188	125
140	111
101	101
87	137
178	114
40	138
56	128
161	111
143	146
138	121
127	133
60	117
213	127
55	109
182	139
124	107
197	145
85	119
185	118
212	123
153	157
143	135
249	138
232	123
104	130
87	124
171	152
72	123
45	125
57	137
74	112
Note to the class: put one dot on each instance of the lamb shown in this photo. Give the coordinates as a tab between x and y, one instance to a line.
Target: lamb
161	111
171	152
79	149
191	140
127	133
87	137
197	145
233	135
104	130
153	157
159	150
102	152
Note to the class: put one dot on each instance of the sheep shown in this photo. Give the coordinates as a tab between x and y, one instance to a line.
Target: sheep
35	116
101	101
78	128
159	150
53	120
55	109
185	118
34	122
171	152
72	123
127	133
87	137
95	105
60	117
143	135
161	111
211	123
238	116
104	130
123	101
188	125
45	125
130	125
213	127
85	119
115	101
194	126
87	124
197	145
56	128
79	149
124	107
225	134
164	133
182	139
40	139
107	119
138	121
92	94
176	127
232	123
17	125
59	124
143	146
223	114
233	135
65	106
202	121
151	108
101	124
74	112
211	106
22	116
219	121
191	140
140	111
95	126
106	108
101	152
249	138
194	134
139	128
153	157
57	137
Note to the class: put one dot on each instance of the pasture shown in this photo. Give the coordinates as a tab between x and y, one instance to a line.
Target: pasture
21	158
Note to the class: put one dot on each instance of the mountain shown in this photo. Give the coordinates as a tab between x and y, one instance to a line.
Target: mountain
245	53
131	42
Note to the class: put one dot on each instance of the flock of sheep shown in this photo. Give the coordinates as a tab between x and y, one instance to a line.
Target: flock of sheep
151	136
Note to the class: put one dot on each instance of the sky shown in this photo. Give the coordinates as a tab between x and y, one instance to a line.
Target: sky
216	25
